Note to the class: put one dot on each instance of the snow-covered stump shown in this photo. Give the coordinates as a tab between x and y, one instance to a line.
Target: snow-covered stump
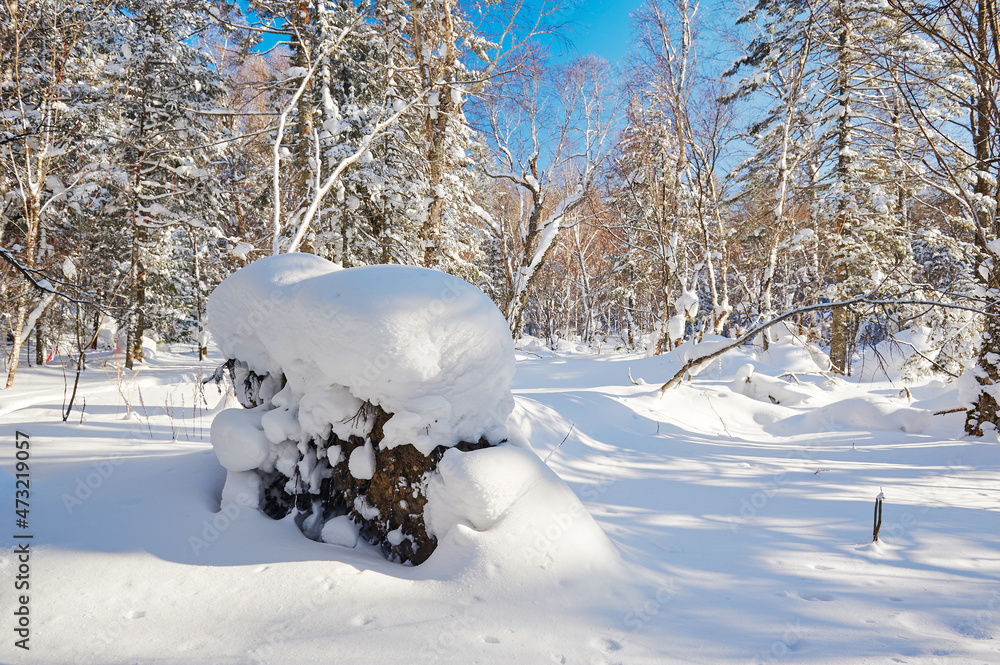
355	383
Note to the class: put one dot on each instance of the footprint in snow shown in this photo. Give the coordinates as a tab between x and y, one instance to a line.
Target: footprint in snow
607	645
822	597
489	639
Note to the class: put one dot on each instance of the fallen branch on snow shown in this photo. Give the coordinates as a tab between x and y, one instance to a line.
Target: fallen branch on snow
947	411
868	298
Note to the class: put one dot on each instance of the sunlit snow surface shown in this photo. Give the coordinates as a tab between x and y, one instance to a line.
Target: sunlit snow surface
738	529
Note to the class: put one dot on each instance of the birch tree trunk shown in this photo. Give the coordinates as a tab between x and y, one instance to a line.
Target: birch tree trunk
841	342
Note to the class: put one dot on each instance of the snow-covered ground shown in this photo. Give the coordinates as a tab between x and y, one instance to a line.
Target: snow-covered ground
741	529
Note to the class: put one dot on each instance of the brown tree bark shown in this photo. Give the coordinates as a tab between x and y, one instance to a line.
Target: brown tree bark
985	408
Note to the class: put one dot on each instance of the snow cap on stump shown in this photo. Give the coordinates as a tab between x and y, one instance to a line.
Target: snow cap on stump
427	347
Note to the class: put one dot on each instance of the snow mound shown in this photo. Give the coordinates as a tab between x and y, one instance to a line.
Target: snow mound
508	507
476	490
867	413
425	346
766	388
791	354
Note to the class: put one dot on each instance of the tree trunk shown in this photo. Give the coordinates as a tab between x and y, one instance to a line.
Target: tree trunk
21	309
841	341
202	345
436	120
840	336
137	319
590	323
302	57
39	344
985	408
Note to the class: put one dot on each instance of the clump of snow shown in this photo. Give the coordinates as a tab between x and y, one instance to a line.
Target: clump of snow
149	345
425	346
792	354
476	489
340	531
242	250
687	303
69	268
242	489
867	412
362	462
238	439
689	350
108	334
675	326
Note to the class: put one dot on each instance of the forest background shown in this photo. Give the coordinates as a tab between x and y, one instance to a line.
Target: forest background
832	163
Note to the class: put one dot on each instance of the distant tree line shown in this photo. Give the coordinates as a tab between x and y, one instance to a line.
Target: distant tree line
827	150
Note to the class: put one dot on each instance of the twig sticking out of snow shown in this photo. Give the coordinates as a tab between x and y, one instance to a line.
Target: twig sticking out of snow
553	451
712	406
878	515
220	373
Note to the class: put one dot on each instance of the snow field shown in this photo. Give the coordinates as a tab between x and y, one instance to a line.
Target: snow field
733	533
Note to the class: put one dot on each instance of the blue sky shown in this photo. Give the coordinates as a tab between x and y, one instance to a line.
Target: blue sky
602	27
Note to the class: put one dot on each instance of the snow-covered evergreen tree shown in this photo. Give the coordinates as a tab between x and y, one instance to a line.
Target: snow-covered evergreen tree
159	139
48	84
827	109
